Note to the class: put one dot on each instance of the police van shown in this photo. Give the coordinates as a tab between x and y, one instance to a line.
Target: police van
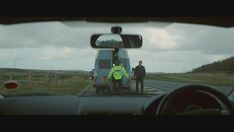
104	63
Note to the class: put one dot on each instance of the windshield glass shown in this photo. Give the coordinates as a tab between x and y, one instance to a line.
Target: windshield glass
55	58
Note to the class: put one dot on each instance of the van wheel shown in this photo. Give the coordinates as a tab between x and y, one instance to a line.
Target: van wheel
129	89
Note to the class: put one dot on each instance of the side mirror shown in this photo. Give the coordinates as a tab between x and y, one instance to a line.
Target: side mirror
91	75
133	69
10	84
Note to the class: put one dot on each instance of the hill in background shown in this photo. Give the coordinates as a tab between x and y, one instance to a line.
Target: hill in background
226	66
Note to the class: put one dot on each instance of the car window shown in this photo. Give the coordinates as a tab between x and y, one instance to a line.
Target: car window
55	58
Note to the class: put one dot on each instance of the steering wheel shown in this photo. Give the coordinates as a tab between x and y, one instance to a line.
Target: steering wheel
167	103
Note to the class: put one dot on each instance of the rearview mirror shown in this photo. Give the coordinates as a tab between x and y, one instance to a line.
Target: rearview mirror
116	41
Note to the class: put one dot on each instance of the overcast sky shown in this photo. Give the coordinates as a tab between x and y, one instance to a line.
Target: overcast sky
166	48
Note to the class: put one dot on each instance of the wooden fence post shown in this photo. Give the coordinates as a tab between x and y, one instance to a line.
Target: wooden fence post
56	78
11	76
47	78
30	79
1	76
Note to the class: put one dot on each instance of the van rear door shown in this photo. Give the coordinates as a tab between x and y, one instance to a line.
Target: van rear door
103	66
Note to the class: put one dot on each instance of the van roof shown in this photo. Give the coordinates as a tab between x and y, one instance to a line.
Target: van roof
123	53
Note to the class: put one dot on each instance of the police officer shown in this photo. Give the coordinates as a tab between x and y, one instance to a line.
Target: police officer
117	72
139	74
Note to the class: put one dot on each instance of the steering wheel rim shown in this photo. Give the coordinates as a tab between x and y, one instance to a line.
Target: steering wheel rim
166	100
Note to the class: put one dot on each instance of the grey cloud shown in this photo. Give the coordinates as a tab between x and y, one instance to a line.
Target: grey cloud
178	47
207	39
188	37
54	34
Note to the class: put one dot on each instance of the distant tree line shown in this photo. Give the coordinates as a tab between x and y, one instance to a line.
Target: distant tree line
62	73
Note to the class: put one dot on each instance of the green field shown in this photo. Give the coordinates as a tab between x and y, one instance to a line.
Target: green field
204	78
40	84
67	84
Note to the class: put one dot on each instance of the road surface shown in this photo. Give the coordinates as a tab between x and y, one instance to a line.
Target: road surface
154	86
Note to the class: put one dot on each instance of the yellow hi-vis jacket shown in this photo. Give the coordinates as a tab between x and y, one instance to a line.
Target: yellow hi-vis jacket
118	72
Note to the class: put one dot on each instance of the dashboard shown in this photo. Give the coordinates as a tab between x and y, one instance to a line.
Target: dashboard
186	100
76	105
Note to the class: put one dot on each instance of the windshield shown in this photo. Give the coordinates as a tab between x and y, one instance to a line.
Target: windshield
55	58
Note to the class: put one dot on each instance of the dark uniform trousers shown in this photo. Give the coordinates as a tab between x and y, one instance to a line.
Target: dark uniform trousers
141	81
117	85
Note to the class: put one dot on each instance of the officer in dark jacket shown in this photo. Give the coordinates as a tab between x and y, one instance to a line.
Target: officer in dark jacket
139	74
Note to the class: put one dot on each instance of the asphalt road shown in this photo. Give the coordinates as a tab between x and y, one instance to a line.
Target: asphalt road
154	86
166	86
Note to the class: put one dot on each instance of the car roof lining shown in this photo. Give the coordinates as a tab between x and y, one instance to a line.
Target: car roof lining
213	21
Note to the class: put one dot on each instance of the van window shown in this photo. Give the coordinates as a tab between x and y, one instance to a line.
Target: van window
124	62
104	64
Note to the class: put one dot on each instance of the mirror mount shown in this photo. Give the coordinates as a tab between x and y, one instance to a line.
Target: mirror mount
116	30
